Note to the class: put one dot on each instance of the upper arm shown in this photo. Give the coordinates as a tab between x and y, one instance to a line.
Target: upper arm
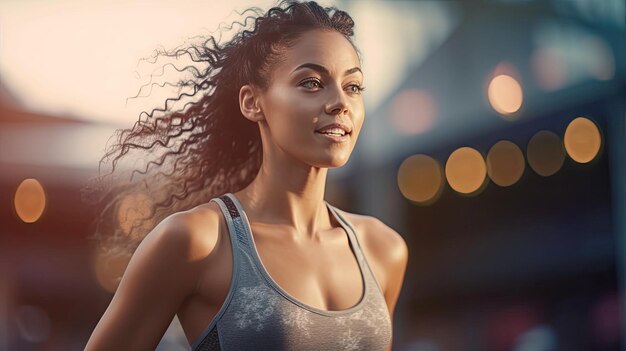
391	253
394	254
162	272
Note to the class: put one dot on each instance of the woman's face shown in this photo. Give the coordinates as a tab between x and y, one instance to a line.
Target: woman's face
317	84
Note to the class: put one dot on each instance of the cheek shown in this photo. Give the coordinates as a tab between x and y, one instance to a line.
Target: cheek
359	116
291	114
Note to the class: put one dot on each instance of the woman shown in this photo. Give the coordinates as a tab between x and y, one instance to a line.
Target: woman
254	258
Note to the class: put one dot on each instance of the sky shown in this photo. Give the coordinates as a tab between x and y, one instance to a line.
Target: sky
81	59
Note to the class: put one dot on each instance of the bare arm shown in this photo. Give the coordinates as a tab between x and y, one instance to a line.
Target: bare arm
162	272
396	257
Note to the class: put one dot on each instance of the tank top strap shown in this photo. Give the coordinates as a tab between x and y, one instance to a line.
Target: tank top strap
350	230
236	226
356	245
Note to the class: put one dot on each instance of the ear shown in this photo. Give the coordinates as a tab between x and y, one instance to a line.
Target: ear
250	104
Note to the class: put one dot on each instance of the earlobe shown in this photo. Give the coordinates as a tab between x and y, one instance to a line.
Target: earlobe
249	104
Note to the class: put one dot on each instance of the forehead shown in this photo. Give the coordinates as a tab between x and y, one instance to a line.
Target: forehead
323	47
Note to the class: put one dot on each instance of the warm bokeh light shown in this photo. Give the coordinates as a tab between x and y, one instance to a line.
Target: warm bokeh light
132	211
30	200
466	170
413	112
545	153
505	94
582	140
420	179
505	163
109	270
548	68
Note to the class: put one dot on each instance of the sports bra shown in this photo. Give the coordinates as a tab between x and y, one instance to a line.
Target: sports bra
258	314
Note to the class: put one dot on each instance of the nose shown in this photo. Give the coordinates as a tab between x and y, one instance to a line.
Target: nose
337	104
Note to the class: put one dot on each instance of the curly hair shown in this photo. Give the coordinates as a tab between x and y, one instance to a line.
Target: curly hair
187	156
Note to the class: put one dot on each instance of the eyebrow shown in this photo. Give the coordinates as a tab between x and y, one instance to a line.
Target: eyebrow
322	69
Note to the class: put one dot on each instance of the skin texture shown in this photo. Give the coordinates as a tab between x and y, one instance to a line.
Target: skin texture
184	265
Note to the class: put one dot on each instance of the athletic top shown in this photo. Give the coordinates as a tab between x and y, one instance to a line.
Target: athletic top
258	314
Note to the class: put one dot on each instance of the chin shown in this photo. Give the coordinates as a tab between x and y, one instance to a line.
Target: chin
327	158
333	163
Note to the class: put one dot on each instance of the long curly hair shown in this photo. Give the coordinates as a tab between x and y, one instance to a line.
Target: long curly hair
178	159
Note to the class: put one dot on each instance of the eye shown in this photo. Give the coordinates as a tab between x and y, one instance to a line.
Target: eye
311	83
355	88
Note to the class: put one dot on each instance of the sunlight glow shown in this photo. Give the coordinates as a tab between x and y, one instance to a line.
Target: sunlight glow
82	58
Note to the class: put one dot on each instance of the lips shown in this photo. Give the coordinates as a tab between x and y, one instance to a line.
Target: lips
336	128
334	131
334	138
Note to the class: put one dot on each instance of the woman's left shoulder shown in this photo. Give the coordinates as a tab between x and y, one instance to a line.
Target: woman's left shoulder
381	242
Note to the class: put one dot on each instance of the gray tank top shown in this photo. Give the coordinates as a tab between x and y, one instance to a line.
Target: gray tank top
258	314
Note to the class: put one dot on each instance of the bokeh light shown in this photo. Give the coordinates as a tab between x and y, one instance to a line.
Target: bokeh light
413	112
109	270
545	153
420	179
30	200
582	140
548	68
505	94
466	170
134	212
505	163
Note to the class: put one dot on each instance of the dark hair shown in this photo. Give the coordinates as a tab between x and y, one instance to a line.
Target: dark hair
206	148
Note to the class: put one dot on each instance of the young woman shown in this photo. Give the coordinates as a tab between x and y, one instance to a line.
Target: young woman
247	253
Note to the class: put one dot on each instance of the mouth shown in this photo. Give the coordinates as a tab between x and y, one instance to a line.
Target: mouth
334	137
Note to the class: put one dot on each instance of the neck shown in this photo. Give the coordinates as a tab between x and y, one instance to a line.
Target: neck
287	193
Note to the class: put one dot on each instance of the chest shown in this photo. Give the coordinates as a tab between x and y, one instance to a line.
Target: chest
322	275
304	297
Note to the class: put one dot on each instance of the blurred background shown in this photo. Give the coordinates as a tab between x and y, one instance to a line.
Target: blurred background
494	142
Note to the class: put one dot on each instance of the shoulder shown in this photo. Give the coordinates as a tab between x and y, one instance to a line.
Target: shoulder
163	271
379	238
386	251
383	246
188	235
